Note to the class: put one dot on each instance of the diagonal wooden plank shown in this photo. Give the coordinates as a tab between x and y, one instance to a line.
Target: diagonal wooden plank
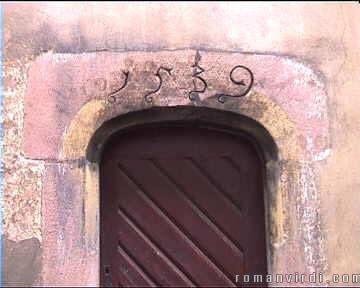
232	163
213	183
200	212
162	254
235	247
131	261
183	234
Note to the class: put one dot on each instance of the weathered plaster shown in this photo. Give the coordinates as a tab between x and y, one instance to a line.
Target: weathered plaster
23	177
19	257
87	77
72	120
320	36
65	261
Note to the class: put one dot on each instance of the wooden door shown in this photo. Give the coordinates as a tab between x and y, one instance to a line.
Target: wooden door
181	206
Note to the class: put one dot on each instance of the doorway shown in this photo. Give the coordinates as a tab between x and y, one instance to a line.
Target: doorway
181	205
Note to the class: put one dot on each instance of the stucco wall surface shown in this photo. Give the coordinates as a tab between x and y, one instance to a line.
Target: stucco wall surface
318	40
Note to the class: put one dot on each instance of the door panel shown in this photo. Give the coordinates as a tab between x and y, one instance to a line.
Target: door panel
180	206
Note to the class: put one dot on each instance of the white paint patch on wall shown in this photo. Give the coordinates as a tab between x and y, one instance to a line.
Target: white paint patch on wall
309	216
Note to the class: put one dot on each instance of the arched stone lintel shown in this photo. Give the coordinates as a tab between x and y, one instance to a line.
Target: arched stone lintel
267	124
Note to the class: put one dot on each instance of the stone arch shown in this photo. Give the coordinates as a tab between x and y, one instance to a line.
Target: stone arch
267	123
288	98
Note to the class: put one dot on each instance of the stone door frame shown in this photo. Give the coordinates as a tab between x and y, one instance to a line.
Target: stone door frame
196	117
79	112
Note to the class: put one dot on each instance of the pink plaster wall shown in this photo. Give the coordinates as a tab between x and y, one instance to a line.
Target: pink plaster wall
74	80
313	46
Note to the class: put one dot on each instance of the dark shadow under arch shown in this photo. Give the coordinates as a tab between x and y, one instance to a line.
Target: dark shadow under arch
188	115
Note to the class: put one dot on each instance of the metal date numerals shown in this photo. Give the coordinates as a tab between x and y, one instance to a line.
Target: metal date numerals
239	75
148	96
112	95
197	70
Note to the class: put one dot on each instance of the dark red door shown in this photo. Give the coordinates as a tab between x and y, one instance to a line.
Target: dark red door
181	206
